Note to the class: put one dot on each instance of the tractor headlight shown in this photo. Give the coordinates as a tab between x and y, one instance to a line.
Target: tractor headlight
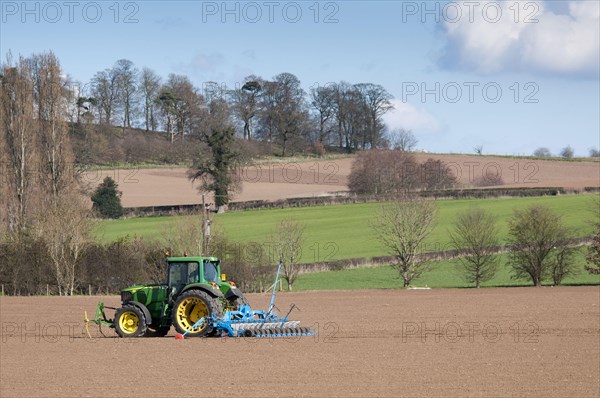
126	297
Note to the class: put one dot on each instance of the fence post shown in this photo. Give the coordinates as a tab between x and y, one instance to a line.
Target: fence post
280	285
3	289
89	289
47	290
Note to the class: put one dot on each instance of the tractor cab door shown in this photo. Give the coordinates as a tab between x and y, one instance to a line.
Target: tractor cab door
211	271
182	274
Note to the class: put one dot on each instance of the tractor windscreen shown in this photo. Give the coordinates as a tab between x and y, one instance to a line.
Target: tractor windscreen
211	272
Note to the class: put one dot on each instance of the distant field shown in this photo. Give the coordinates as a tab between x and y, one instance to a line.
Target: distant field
342	231
280	178
443	274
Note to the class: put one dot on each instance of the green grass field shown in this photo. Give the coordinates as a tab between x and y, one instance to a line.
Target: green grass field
443	274
343	231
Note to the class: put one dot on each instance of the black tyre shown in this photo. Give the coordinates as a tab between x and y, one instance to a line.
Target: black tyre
130	321
161	331
190	307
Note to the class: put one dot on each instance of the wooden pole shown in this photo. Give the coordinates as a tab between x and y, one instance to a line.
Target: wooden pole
3	289
89	289
47	290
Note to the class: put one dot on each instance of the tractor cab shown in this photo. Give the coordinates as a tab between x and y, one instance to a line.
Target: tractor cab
204	273
186	271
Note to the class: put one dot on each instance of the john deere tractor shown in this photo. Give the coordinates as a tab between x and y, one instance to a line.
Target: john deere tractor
195	289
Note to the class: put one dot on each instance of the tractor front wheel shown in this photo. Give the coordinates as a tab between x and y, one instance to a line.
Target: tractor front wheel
130	321
192	306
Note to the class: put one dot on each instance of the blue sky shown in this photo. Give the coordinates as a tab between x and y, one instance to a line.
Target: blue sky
510	76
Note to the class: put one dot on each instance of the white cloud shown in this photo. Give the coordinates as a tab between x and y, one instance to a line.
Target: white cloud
204	67
240	73
250	53
206	62
564	43
409	117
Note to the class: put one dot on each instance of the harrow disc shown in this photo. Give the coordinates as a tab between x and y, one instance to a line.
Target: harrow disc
277	332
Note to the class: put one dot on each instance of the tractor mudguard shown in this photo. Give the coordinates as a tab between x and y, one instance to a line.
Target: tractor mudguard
233	293
211	292
142	308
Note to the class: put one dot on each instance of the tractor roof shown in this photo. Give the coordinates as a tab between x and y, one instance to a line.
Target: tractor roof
188	259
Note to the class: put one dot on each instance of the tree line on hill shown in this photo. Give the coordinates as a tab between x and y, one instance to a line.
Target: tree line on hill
567	152
276	110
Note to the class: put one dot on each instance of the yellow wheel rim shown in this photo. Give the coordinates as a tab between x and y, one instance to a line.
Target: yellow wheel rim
189	311
129	322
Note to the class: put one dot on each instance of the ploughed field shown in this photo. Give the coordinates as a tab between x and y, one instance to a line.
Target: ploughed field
293	179
542	342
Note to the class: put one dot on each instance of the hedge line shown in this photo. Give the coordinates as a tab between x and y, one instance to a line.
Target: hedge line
351	198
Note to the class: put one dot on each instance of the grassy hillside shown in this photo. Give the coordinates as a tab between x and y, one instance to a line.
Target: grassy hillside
342	231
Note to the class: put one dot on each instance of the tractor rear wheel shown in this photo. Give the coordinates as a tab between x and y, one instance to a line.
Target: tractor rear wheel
190	307
239	301
130	321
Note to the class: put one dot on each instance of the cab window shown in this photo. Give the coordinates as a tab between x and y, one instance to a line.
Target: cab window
211	271
183	273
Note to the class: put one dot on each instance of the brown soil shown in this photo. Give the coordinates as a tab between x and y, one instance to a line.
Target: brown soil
154	187
542	342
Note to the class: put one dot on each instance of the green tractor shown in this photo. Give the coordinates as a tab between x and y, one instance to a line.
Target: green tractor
195	289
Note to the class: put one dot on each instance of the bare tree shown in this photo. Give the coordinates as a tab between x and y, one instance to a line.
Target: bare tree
19	142
478	150
377	101
594	152
127	77
284	117
190	236
475	232
567	152
403	140
322	100
246	103
435	174
149	86
166	101
50	91
534	234
342	92
287	242
593	253
402	226
563	264
488	180
181	101
65	227
213	91
4	191
105	89
383	172
542	152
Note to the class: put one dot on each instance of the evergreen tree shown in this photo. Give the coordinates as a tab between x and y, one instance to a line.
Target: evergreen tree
107	199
